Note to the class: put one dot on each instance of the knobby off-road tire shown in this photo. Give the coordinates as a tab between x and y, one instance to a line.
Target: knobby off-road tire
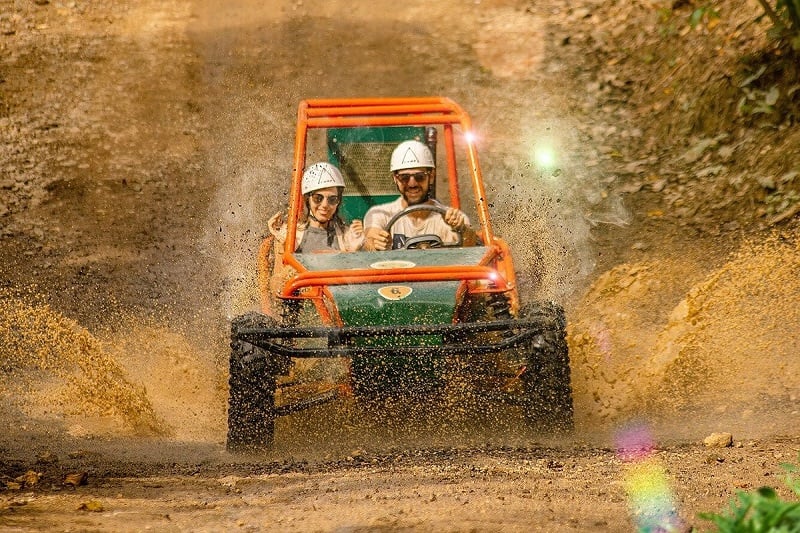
547	402
251	396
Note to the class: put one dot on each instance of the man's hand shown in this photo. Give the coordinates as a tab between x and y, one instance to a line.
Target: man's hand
456	219
376	239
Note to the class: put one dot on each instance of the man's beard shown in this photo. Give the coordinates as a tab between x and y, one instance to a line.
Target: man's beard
424	198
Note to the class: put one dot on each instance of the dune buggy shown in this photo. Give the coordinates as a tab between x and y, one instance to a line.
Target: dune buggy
401	319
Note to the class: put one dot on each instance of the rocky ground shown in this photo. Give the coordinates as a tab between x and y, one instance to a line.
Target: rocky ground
141	148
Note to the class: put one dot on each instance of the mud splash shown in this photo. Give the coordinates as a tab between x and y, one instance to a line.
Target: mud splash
725	356
55	369
183	382
731	345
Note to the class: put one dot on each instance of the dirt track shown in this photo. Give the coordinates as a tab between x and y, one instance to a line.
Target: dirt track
144	146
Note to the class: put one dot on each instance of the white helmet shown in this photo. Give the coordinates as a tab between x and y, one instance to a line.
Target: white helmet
411	154
321	176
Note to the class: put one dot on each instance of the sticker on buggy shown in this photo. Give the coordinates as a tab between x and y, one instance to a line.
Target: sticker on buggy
396	263
394	292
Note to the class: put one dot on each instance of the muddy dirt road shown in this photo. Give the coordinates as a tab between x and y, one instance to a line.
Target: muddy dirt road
145	144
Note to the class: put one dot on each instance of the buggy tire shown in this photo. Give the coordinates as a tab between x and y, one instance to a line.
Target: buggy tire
251	395
547	403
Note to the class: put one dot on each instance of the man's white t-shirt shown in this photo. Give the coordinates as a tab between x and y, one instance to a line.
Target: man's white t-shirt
379	215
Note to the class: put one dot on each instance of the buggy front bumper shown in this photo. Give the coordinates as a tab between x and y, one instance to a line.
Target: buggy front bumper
412	340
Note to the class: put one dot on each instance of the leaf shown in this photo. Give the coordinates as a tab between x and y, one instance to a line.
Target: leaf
29	478
76	479
767	492
696	17
742	107
775	33
762	107
93	506
754	77
772	95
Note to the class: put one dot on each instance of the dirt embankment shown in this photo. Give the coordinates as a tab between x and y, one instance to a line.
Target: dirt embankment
143	145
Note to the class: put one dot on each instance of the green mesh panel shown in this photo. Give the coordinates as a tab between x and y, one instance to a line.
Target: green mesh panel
363	155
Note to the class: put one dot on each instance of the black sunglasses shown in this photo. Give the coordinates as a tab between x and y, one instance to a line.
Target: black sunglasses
418	177
332	199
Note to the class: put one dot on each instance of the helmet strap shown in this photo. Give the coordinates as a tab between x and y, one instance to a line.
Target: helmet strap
327	225
310	214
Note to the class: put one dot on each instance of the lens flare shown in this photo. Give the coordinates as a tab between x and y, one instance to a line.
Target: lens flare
645	480
544	157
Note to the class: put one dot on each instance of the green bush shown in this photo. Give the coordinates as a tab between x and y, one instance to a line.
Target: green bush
761	511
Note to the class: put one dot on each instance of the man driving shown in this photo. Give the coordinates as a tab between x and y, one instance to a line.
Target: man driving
413	169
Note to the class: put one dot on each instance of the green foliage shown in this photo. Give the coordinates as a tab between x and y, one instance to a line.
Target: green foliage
788	13
784	14
704	13
666	27
761	511
761	96
756	100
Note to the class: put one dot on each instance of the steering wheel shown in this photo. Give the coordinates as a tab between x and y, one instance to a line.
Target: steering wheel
427	240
